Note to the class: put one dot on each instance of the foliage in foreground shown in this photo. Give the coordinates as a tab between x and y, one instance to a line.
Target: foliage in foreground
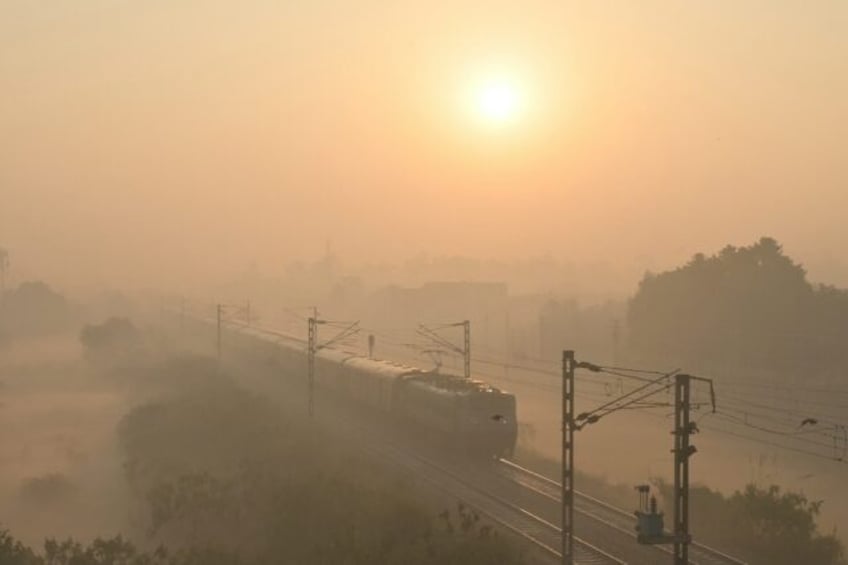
112	551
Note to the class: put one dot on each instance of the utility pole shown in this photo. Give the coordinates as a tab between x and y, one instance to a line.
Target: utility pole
568	457
466	330
683	428
313	338
371	341
224	313
219	310
616	339
649	522
465	350
350	329
4	267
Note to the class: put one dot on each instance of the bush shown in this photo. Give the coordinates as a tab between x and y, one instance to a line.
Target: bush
48	489
33	310
115	341
764	525
112	551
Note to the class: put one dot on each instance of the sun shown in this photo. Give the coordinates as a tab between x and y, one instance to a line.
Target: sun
497	102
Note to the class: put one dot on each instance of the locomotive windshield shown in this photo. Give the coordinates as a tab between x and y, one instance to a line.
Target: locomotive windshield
496	407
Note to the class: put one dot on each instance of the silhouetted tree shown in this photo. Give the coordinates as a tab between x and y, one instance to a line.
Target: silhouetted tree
764	525
33	310
114	341
744	306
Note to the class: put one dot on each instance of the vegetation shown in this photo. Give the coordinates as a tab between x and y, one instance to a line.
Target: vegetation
115	341
33	310
222	476
47	489
763	525
112	551
219	467
743	307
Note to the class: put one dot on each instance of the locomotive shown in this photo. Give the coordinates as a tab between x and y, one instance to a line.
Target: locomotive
465	414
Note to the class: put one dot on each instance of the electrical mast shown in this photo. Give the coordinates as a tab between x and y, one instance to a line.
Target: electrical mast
465	350
568	457
348	329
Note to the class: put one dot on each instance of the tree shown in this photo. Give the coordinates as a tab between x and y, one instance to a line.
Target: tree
780	527
13	552
114	341
744	306
763	525
34	310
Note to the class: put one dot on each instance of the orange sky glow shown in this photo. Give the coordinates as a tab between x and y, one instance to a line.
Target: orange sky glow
163	141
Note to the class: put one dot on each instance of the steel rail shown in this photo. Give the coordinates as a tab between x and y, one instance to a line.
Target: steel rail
536	530
606	513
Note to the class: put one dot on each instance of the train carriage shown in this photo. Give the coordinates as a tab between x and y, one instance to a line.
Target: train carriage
465	413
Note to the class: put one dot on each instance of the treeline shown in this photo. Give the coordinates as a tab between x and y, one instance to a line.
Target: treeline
749	307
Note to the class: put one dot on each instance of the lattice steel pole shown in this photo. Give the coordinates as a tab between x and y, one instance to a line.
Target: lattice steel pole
682	452
218	340
568	457
313	337
466	326
4	267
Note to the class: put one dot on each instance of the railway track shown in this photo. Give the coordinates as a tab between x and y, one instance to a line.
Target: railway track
607	514
534	529
508	495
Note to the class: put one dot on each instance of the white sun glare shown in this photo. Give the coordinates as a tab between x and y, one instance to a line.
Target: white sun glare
498	102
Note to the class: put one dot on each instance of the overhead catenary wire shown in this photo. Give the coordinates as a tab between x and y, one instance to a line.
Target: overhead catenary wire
762	418
774	444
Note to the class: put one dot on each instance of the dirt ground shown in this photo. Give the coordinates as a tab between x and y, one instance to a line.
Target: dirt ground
60	473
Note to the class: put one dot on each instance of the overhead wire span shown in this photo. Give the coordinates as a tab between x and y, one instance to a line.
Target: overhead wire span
826	443
754	407
775	444
790	402
619	403
736	408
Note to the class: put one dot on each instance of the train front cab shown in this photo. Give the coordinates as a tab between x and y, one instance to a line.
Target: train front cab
488	423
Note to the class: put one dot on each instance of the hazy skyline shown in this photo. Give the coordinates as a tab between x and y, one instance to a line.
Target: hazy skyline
159	143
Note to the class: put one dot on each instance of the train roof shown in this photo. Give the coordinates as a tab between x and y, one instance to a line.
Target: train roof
384	368
454	384
445	383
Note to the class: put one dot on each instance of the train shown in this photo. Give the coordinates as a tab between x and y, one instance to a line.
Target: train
467	415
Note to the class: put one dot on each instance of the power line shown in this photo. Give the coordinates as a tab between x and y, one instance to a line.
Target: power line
772	444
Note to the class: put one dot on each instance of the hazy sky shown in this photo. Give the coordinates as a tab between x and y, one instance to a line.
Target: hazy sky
162	140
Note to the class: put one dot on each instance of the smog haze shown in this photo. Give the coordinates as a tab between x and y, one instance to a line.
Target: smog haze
148	143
